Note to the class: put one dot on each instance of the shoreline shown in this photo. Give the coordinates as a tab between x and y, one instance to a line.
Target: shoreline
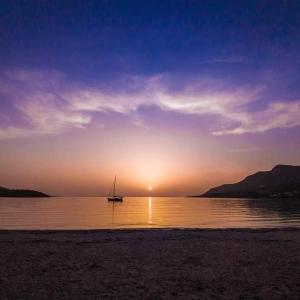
149	229
257	230
150	263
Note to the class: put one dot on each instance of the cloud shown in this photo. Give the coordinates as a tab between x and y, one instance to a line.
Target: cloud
226	60
48	103
243	150
276	115
36	98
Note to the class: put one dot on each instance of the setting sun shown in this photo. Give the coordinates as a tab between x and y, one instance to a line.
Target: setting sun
150	188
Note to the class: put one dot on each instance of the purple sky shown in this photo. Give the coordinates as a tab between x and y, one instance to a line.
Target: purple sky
180	95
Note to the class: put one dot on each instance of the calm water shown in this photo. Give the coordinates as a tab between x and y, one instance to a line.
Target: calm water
147	212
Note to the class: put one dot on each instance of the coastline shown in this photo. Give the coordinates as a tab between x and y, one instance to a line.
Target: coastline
150	263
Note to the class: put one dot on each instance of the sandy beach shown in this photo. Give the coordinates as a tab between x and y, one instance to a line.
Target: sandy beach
150	264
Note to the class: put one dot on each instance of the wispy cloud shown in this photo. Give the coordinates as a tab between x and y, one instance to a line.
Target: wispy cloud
243	150
36	98
224	60
50	104
275	115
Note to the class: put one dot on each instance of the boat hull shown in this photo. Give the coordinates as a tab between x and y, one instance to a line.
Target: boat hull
115	198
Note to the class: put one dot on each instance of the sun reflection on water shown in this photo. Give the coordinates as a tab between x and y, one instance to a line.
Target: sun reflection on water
150	210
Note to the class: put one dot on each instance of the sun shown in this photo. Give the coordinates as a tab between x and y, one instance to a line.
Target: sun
150	188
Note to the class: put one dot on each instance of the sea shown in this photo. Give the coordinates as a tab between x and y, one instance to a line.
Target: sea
147	212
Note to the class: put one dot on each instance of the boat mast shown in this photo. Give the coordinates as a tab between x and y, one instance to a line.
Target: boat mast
114	185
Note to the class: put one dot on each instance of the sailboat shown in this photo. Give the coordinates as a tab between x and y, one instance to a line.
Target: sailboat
113	196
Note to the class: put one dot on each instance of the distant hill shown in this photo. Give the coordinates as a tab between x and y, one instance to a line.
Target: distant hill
283	181
4	192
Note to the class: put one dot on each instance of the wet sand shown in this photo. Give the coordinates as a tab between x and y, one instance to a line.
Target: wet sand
150	264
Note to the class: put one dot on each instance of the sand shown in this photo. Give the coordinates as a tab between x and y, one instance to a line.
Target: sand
150	264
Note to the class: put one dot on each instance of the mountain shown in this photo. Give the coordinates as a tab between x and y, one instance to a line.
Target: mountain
4	192
283	181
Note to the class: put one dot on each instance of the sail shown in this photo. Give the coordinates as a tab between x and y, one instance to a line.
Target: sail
113	197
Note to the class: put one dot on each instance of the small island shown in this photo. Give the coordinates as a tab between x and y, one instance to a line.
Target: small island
283	181
4	192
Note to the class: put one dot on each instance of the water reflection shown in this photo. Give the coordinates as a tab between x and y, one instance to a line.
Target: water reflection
143	212
114	211
282	207
150	210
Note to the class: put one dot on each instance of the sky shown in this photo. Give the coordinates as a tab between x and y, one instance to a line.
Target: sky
177	95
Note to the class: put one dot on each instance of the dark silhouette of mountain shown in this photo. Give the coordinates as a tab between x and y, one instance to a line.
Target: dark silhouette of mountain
4	192
283	181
